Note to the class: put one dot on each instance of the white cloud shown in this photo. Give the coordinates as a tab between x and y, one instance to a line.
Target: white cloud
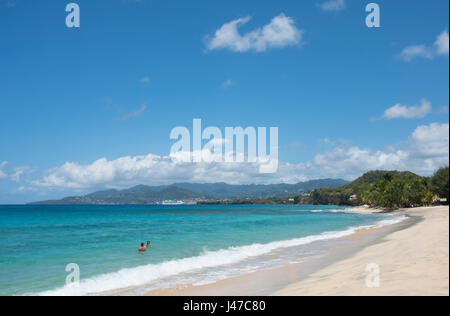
2	173
426	150
25	189
408	112
333	5
18	172
135	113
430	140
423	152
349	162
442	43
148	169
440	47
412	52
279	33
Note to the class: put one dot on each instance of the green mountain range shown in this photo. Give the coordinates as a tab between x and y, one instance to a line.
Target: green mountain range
144	195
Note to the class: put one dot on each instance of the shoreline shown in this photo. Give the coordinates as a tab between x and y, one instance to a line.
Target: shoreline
365	210
340	271
412	262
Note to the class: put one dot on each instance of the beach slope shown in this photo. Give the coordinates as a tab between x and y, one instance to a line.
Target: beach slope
414	261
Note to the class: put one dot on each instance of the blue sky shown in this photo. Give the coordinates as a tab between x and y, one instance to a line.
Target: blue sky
135	69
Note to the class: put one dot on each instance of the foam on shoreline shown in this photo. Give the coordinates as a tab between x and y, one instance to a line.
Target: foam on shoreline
143	275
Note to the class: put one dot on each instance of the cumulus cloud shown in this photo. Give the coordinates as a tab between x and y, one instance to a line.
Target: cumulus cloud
442	43
423	152
440	47
408	112
279	33
18	172
2	173
426	150
148	169
349	161
430	141
412	52
333	5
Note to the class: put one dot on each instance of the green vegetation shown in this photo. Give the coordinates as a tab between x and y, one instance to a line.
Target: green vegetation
387	189
351	193
396	192
439	183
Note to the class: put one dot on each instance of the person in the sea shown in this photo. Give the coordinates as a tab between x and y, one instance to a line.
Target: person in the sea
148	244
142	248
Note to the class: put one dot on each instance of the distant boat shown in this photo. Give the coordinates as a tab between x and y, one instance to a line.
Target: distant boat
172	203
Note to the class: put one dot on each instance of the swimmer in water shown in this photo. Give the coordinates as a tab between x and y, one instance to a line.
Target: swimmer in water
148	244
142	248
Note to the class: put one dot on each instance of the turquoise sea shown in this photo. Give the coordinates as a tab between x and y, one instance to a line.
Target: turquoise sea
190	244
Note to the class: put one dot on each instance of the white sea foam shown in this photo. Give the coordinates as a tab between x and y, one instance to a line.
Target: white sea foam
341	210
395	219
143	275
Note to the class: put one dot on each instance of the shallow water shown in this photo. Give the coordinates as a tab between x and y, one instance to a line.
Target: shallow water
190	244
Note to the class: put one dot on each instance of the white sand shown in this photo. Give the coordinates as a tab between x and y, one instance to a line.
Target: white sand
414	261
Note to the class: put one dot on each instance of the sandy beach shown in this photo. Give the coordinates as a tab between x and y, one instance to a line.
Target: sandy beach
412	259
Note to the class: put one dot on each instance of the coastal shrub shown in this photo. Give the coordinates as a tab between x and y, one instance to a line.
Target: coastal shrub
387	189
395	192
439	183
428	200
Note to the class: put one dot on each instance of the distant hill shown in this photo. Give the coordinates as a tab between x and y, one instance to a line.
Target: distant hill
372	177
224	191
144	195
139	195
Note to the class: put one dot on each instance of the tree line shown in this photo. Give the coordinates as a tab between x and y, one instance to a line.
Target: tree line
387	189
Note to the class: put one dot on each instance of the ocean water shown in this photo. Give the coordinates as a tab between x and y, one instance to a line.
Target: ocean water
190	244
